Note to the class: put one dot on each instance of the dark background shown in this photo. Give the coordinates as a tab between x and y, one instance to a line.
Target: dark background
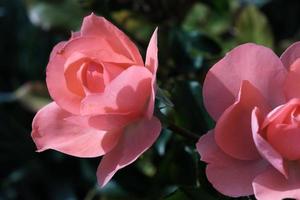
192	36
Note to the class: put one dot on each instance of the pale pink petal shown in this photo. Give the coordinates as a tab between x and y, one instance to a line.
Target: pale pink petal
136	139
152	64
57	86
127	93
94	48
272	185
231	177
264	148
50	130
75	34
99	27
292	83
290	55
233	129
255	63
151	55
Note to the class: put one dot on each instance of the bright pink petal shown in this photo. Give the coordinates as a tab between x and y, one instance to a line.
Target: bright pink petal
292	83
291	54
71	68
51	130
111	71
233	129
152	64
99	27
285	139
127	93
108	122
264	148
272	185
257	64
229	176
136	139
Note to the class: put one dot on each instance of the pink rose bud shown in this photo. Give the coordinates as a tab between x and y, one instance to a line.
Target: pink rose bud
254	97
103	98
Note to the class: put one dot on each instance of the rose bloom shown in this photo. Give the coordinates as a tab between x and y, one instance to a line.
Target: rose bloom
254	97
103	98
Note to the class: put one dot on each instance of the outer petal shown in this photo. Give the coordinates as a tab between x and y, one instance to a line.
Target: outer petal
290	55
127	93
110	122
264	148
57	48
94	47
272	185
233	129
98	26
57	86
257	64
50	130
152	64
136	139
229	176
292	83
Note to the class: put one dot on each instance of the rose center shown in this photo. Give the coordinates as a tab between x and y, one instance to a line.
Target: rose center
283	129
92	77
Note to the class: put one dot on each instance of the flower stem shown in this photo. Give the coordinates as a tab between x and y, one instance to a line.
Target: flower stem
183	132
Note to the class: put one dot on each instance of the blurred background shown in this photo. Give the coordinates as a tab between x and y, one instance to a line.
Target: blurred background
193	35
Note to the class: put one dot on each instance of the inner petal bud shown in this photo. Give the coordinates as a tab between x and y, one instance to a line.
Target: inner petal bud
92	77
283	130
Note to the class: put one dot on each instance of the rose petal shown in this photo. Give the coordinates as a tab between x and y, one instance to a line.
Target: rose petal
264	148
108	122
57	86
255	63
111	71
57	48
94	47
50	130
98	26
285	139
136	139
233	129
290	55
152	64
292	83
127	93
71	68
229	176
272	185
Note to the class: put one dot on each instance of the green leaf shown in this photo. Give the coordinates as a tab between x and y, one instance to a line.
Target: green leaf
253	26
190	48
189	109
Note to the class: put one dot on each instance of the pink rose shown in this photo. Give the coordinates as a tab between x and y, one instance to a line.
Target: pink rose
255	147
103	98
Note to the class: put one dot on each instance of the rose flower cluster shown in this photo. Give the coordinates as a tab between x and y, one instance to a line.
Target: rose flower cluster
103	103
